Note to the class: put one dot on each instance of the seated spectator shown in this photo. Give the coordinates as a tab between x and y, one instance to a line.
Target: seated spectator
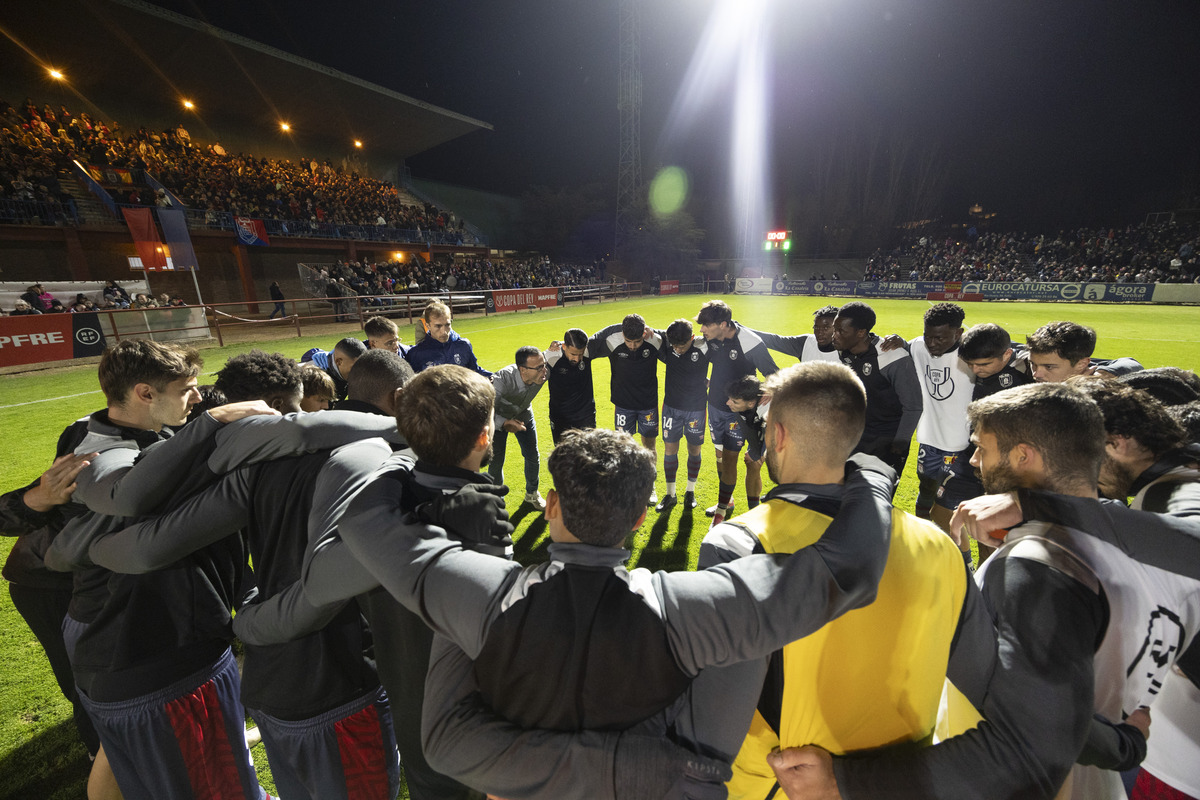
116	295
142	300
23	309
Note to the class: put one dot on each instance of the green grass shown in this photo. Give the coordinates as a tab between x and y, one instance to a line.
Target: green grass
39	752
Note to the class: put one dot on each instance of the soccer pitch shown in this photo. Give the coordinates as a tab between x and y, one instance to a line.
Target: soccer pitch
39	752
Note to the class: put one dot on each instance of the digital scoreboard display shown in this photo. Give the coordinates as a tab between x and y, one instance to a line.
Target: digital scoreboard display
778	240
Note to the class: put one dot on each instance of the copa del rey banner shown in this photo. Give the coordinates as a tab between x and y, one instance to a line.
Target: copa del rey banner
517	299
251	231
49	337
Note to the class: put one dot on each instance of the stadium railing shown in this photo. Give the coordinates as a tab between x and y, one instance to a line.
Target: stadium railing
38	212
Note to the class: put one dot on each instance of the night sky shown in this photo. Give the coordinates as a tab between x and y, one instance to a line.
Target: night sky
1049	113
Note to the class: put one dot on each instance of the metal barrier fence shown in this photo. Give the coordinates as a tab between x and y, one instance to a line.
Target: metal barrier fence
217	320
38	212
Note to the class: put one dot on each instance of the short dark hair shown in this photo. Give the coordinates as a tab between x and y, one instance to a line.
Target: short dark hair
633	327
376	376
1169	385
860	315
442	411
1135	414
988	340
679	332
210	398
259	375
746	387
825	311
133	361
1059	421
351	346
822	400
379	326
603	480
714	312
1068	340
575	337
950	314
524	353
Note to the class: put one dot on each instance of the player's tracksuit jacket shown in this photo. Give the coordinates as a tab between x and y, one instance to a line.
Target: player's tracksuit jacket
885	663
578	618
430	352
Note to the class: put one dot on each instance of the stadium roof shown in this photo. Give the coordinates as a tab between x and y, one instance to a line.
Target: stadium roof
139	55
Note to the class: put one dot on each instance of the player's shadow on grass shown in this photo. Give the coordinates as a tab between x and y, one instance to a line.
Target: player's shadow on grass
659	553
53	764
532	547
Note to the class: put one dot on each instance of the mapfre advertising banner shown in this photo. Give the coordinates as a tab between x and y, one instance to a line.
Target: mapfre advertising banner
668	287
49	337
517	299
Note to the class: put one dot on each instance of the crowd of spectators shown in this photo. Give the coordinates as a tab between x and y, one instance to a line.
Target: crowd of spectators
1152	252
356	279
36	144
36	300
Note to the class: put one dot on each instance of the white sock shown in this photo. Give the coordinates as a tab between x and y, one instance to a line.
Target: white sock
671	488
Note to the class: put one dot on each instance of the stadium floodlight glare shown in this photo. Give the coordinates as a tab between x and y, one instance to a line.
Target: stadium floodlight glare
189	105
283	126
733	60
56	74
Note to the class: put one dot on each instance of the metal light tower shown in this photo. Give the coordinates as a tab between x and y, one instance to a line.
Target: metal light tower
629	103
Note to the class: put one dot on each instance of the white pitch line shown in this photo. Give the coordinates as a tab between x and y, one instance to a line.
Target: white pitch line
50	399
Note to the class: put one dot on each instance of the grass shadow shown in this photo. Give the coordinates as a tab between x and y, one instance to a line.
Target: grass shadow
669	553
53	765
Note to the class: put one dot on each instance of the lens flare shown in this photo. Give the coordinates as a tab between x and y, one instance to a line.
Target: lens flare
668	191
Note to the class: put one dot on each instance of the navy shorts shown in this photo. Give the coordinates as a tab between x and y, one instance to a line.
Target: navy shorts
185	740
725	427
677	424
936	464
644	422
559	426
347	752
960	484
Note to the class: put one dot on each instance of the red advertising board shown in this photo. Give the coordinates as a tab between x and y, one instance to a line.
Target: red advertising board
668	287
49	337
519	299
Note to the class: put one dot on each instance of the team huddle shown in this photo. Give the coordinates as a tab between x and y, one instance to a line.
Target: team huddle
830	645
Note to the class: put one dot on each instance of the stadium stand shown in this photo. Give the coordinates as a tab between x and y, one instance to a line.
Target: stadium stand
39	148
1152	252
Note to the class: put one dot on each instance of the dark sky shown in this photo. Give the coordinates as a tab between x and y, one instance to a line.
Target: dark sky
1047	111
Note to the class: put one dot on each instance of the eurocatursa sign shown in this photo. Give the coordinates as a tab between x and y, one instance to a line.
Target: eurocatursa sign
49	337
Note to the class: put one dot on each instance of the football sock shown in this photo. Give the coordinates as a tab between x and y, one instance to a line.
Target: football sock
671	487
670	468
693	468
724	494
751	502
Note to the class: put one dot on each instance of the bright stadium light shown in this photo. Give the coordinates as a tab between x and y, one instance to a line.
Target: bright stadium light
189	105
357	143
283	126
56	74
733	60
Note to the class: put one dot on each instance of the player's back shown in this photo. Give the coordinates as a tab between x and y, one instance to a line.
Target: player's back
874	676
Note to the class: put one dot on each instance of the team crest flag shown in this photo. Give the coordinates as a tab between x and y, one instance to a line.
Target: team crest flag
145	238
251	231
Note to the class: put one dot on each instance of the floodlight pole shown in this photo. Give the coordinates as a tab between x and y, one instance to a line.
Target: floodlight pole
629	104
